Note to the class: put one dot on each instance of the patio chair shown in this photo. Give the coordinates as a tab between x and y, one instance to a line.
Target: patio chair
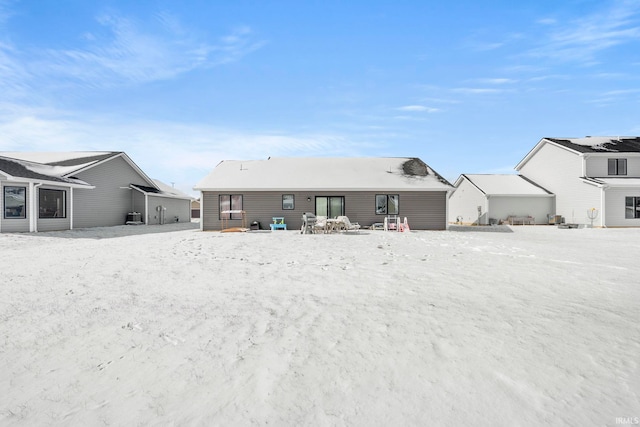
348	225
309	221
321	224
278	223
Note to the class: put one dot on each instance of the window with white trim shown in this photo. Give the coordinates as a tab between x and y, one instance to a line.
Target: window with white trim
52	203
631	207
617	167
15	202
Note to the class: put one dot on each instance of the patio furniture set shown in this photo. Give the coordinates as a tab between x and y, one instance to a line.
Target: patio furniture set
320	224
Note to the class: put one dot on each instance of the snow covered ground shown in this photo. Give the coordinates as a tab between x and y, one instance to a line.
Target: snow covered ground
126	326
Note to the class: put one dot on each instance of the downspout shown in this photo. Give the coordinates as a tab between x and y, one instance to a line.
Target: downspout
486	209
446	209
33	222
71	208
146	209
603	204
202	210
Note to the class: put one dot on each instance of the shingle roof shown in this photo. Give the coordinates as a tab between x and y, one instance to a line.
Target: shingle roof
22	169
61	166
600	144
318	173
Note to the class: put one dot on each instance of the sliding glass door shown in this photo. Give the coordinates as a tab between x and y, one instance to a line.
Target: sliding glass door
330	206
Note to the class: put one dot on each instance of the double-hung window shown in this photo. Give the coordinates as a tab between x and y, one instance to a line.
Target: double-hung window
617	167
387	204
230	206
15	202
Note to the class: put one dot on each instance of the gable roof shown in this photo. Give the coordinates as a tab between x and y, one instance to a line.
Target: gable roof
63	165
324	174
504	185
20	169
588	144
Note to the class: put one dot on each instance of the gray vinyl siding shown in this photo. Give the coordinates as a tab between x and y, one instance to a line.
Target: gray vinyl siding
559	171
424	210
15	225
179	209
55	224
108	203
139	205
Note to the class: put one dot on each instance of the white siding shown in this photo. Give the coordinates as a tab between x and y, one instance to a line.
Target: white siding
597	166
615	208
501	207
559	171
464	203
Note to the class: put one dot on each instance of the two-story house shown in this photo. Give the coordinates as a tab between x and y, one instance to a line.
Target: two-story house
595	179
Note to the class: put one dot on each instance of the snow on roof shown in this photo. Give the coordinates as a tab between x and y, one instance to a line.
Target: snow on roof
340	174
600	144
506	185
29	170
68	158
167	189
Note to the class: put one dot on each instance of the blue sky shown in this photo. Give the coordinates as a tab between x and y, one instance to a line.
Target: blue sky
467	86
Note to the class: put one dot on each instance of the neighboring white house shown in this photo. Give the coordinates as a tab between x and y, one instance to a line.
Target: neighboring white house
484	199
49	191
595	179
364	189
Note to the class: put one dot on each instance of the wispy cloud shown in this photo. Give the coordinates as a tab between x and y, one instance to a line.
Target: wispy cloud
581	39
496	81
132	52
476	90
5	11
418	109
131	55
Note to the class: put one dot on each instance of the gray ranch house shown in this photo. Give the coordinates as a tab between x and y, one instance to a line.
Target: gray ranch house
66	190
238	193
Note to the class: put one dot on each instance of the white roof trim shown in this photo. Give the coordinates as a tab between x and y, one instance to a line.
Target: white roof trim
165	195
537	148
126	159
20	179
